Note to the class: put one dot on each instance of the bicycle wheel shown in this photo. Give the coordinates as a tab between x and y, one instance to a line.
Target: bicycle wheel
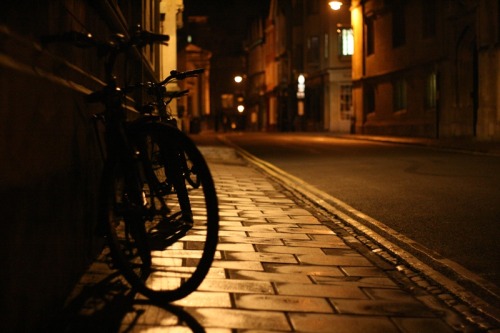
171	254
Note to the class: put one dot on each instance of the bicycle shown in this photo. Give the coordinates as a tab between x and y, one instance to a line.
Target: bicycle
151	233
159	92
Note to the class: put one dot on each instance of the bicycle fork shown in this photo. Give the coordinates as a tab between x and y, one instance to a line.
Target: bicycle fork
174	172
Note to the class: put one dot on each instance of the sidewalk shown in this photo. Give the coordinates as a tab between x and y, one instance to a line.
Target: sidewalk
283	267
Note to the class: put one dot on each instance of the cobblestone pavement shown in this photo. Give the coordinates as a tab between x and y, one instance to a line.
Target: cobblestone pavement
279	268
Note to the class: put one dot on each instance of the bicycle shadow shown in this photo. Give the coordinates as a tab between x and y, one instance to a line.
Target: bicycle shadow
110	305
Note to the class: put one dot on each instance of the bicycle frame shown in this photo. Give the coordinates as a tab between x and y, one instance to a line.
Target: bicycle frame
160	93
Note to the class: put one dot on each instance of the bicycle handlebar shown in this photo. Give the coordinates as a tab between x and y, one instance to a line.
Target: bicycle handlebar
142	37
120	43
159	90
182	75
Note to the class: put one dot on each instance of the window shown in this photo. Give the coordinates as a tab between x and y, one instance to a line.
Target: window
428	19
313	53
346	41
327	46
369	99
298	10
345	102
399	95
398	25
312	7
370	36
431	91
298	57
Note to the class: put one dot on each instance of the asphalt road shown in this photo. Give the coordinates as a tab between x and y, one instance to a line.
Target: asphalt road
446	201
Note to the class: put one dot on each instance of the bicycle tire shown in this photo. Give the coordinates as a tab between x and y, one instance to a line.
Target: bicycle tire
163	260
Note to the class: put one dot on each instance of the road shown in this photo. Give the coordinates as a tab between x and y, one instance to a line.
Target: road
447	201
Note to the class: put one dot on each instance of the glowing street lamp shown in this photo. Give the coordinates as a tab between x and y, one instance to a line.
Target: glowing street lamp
335	5
301	87
241	108
238	78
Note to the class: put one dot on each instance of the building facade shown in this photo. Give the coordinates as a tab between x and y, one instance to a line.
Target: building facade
302	41
323	47
256	102
194	109
426	69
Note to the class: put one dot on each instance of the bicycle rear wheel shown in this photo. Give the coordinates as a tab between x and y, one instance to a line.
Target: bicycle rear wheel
168	257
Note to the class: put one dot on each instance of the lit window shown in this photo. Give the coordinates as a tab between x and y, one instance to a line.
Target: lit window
346	41
345	102
431	91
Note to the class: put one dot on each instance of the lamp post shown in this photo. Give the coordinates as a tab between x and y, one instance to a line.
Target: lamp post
240	100
301	95
240	93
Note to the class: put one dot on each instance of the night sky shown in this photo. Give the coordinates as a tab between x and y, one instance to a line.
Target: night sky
232	12
228	21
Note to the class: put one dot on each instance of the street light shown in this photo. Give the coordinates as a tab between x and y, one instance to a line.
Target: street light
335	5
238	78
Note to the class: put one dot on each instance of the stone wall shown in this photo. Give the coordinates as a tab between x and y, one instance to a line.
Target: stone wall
51	160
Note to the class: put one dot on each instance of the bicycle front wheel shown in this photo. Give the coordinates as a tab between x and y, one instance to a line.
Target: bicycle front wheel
190	172
177	252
